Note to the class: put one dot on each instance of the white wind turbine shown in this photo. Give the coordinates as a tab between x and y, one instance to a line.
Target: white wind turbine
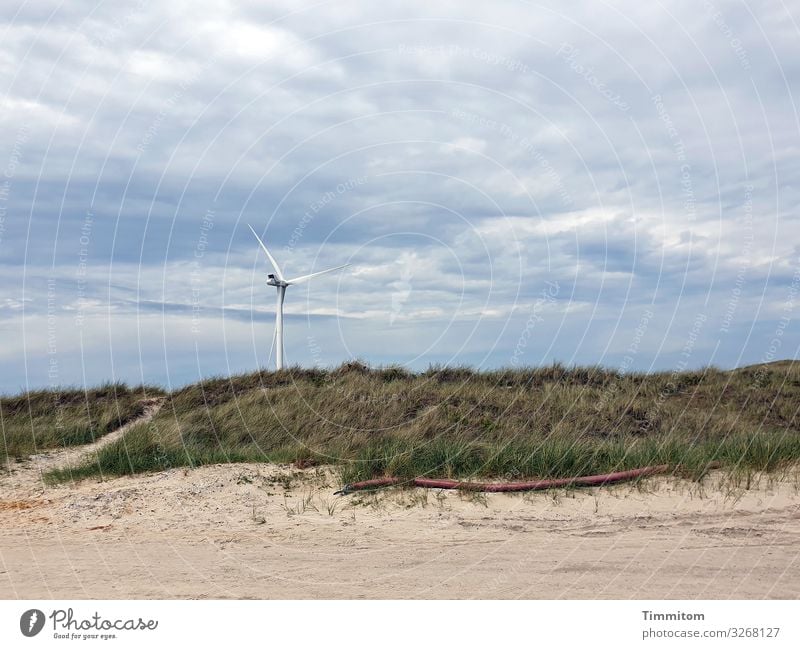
280	282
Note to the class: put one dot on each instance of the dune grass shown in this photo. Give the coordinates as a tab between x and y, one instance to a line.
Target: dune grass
46	419
456	422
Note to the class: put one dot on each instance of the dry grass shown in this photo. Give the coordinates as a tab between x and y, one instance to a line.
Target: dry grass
546	422
47	419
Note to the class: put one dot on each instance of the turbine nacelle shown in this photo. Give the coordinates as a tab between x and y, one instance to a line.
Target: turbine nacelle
277	280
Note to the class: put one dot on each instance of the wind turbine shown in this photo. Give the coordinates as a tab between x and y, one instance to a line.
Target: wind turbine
281	283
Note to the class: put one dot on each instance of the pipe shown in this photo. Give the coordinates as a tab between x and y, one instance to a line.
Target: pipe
494	487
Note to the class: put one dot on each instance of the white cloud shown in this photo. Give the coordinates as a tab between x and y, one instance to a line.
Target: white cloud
490	164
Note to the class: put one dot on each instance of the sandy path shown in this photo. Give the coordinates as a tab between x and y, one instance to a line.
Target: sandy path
26	476
263	531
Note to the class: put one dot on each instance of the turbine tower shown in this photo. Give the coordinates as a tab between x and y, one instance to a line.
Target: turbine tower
281	283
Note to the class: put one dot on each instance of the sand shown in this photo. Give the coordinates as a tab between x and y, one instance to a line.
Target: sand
266	531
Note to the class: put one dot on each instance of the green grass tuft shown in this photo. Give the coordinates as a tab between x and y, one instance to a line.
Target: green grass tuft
457	422
46	419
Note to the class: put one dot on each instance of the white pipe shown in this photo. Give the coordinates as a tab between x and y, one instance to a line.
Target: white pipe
279	328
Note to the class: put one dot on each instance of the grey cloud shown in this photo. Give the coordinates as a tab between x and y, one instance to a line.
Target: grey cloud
500	147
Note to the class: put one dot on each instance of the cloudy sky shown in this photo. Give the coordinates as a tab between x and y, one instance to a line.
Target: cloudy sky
512	184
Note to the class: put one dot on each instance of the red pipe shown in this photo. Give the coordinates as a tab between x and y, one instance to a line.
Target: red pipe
537	485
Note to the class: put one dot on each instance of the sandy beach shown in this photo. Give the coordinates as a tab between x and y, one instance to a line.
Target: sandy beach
265	531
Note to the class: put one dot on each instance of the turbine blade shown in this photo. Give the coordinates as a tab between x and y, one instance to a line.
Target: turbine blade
271	258
305	278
